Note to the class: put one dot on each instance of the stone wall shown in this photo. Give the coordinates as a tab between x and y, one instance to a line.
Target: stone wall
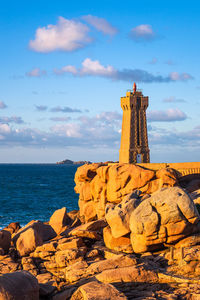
102	183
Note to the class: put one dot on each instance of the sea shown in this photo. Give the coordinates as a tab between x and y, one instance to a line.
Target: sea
34	191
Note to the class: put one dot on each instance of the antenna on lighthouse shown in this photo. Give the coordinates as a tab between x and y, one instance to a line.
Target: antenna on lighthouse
134	88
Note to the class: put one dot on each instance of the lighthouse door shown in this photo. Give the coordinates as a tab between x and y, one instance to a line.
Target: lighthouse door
139	158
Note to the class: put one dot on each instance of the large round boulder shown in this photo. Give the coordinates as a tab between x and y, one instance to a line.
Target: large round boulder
163	219
20	285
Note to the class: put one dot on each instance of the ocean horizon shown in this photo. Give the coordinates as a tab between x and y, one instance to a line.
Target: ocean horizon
33	191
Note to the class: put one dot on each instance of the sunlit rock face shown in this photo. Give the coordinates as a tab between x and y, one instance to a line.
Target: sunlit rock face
152	222
99	184
123	254
163	219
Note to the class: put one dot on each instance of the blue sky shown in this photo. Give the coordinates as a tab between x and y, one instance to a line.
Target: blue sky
65	65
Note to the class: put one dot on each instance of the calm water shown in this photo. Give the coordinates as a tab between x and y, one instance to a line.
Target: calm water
35	191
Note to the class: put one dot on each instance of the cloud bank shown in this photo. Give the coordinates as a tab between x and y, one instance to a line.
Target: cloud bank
98	132
12	119
170	115
65	109
84	129
101	130
95	68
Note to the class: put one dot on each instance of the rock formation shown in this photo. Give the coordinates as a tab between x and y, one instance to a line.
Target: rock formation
140	240
163	219
99	184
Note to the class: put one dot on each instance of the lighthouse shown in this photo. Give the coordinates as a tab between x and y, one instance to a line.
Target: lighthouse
134	139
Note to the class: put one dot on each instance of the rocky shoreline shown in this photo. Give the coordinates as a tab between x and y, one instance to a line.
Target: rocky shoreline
136	236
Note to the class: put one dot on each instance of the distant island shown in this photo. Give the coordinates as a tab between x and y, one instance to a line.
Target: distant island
71	162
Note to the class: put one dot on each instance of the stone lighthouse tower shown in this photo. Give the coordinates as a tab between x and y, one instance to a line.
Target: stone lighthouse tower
134	139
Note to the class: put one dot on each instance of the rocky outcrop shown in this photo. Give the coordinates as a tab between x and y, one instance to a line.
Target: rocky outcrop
118	244
189	241
69	264
32	235
91	230
13	227
185	258
114	256
59	220
28	241
98	291
151	222
99	184
128	274
45	231
5	240
168	216
19	285
118	216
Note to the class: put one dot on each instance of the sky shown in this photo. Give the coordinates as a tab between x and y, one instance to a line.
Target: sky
65	64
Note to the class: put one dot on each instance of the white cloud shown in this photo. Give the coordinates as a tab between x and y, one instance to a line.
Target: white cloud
72	130
70	69
5	129
93	67
110	115
66	35
36	73
66	69
175	76
170	115
100	24
2	105
143	32
89	67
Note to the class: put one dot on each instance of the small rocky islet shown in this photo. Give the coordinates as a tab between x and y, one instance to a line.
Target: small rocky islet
136	235
71	162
